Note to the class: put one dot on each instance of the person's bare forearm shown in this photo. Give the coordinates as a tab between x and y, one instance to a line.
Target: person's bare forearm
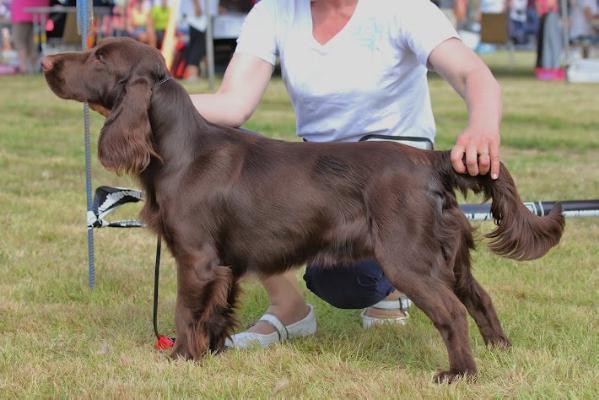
477	148
242	88
480	140
211	107
482	94
480	91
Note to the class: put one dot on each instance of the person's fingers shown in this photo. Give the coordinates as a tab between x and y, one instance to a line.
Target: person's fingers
457	157
472	159
484	162
476	156
495	160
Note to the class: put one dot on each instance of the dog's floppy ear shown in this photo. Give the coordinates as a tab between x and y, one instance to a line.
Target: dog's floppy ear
126	139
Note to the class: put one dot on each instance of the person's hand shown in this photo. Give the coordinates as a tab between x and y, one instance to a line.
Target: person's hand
477	152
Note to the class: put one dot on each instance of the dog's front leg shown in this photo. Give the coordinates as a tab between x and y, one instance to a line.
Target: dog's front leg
204	312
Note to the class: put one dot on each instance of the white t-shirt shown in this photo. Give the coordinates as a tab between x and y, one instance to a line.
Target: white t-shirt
370	78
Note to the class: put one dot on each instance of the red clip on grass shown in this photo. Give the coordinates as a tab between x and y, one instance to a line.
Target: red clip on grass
164	343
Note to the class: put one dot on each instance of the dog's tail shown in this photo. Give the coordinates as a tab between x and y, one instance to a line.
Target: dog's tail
520	234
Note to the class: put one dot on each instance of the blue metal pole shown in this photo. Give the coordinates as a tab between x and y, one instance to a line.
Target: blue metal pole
88	188
84	15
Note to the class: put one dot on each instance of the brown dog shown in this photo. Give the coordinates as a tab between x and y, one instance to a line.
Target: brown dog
227	202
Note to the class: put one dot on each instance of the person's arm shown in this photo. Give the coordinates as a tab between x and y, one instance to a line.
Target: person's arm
243	85
460	9
472	79
130	24
588	13
150	30
197	8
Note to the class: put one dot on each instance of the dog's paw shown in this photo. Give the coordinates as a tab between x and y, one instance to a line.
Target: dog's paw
499	342
181	353
452	376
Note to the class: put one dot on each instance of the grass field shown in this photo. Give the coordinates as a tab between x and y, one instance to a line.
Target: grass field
59	339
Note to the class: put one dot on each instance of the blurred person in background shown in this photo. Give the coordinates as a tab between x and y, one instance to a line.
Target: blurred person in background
22	30
139	23
581	14
5	32
549	42
119	18
159	15
196	15
517	21
454	10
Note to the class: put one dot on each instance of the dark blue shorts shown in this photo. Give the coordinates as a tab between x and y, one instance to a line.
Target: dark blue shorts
352	286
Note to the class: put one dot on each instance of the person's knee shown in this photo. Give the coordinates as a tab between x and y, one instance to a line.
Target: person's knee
354	286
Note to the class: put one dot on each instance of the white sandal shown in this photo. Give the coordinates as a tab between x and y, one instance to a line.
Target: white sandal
401	304
301	328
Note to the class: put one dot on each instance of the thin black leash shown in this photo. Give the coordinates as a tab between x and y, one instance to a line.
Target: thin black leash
162	342
156	280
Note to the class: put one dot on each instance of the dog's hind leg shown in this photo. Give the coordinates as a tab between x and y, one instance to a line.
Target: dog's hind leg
469	291
406	244
479	305
436	298
205	298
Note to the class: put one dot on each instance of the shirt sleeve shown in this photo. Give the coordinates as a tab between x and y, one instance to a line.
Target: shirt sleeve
258	33
423	27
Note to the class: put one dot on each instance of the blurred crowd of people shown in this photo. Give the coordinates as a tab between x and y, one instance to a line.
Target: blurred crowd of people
144	20
147	20
524	16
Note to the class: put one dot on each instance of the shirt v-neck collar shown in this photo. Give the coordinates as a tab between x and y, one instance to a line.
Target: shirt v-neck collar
338	36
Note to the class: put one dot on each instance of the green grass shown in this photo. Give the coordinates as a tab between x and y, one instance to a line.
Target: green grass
58	339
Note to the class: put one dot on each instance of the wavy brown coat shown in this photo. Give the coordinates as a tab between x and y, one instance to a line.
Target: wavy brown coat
228	202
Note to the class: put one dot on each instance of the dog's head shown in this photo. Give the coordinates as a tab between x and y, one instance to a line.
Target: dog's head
116	78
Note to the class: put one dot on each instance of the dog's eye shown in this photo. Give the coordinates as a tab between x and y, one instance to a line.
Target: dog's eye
99	57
